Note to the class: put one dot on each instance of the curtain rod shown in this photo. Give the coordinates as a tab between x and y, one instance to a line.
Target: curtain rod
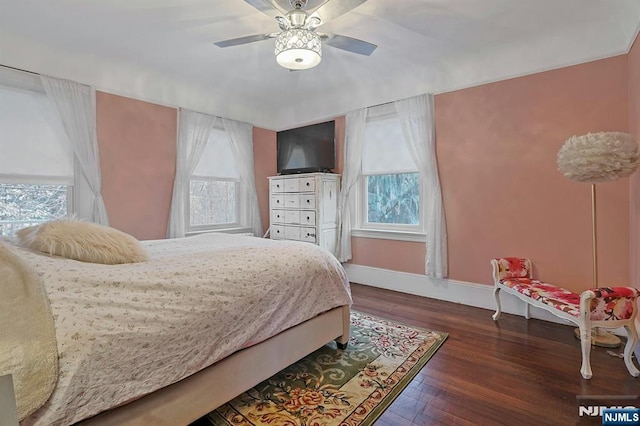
19	69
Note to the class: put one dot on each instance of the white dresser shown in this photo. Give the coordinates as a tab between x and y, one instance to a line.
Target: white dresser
304	207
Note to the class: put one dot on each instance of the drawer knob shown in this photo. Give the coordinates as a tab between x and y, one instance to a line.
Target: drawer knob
278	186
277	201
308	218
278	231
307	183
308	200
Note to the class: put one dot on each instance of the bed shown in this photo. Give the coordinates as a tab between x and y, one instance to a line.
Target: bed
167	340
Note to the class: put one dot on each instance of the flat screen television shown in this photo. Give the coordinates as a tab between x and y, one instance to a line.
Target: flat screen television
307	149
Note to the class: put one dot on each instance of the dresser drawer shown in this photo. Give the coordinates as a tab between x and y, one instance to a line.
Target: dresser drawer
277	232
300	201
278	216
292	233
292	217
307	201
277	185
307	217
277	201
308	235
292	185
307	184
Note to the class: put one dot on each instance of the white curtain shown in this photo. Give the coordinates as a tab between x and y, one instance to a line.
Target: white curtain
416	116
241	136
354	138
76	105
194	129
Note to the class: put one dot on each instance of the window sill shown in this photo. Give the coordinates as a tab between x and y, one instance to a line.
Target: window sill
389	235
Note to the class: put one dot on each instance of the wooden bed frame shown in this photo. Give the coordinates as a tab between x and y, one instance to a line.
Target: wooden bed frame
193	397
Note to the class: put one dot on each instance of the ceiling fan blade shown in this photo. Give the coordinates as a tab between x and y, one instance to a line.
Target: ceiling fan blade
349	44
243	40
330	10
268	7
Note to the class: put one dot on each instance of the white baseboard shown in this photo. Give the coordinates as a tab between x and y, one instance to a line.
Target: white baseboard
466	293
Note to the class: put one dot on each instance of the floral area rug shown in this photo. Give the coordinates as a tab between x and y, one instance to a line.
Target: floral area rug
337	387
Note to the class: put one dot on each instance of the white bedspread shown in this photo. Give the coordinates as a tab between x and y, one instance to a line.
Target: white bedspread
126	330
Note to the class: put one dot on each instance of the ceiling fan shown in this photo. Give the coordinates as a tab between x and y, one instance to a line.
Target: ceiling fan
297	45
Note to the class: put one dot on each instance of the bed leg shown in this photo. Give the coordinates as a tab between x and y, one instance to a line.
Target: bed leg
343	340
342	346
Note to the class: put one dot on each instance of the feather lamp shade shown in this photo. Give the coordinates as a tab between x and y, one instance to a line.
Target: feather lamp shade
598	157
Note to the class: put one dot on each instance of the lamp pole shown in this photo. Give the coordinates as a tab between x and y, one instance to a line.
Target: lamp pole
598	157
599	337
594	227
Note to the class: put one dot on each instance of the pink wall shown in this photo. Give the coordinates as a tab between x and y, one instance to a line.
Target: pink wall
634	187
389	254
503	196
264	158
137	142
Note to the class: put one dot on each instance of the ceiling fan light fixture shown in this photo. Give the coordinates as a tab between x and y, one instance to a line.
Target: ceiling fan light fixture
298	49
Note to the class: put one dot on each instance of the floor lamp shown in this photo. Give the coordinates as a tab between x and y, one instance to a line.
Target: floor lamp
594	158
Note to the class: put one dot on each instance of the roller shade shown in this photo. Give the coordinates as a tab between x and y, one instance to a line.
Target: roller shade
33	144
384	149
217	159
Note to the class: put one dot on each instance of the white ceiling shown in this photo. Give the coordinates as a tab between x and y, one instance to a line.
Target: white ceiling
161	50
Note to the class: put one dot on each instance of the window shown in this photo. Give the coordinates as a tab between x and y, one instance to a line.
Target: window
212	202
36	165
393	199
215	199
390	190
30	204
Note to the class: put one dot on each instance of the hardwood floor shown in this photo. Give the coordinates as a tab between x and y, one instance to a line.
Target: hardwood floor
511	372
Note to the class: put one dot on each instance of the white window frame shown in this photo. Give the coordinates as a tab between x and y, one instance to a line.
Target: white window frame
241	209
243	219
41	180
388	231
25	81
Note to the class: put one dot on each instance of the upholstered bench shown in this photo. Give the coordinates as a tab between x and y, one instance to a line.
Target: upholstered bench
606	307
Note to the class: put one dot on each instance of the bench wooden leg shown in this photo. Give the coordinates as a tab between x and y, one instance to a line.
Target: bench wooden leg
632	340
496	290
585	343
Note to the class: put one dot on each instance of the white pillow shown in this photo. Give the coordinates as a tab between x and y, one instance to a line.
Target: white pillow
83	241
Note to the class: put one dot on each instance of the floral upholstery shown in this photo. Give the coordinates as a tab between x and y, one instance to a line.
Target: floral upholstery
513	267
607	307
608	303
559	298
613	303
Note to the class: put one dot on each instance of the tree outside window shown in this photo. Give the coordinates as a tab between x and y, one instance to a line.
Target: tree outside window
27	204
393	198
212	202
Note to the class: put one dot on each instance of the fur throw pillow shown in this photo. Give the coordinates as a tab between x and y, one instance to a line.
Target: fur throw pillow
83	241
